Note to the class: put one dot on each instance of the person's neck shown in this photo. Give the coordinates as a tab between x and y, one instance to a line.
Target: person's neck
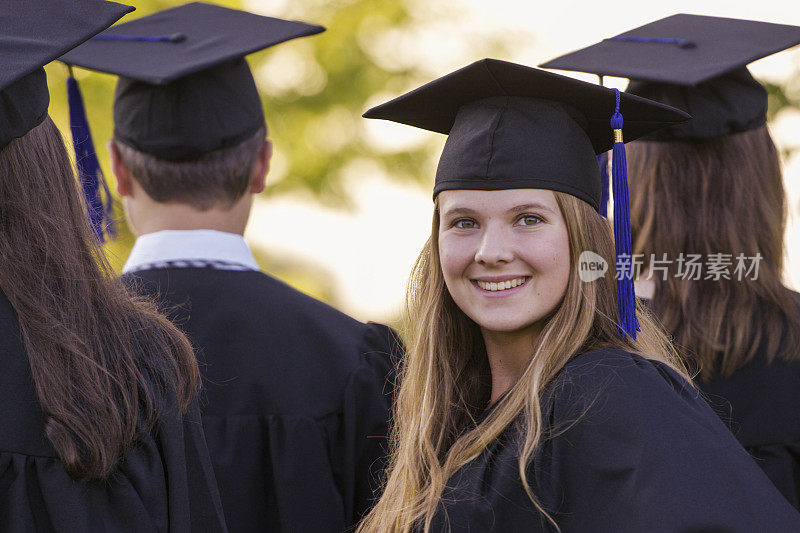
176	216
508	354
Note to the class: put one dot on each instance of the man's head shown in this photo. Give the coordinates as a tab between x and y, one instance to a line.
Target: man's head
212	191
189	129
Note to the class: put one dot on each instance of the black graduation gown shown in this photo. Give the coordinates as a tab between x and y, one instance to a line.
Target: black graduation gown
635	448
760	403
165	482
296	401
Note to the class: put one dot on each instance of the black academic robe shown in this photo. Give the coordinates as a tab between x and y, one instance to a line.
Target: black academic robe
296	400
632	447
165	481
760	403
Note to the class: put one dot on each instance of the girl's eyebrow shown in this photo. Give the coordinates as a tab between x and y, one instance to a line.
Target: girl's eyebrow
529	207
463	211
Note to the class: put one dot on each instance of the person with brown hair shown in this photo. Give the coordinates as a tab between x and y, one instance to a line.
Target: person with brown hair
99	428
296	399
528	401
708	214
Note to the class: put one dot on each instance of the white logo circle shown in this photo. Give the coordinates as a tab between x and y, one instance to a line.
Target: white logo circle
591	266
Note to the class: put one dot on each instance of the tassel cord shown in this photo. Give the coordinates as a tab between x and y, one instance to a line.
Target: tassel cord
626	296
99	202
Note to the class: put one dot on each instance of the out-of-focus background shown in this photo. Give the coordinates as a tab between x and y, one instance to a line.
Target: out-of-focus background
348	203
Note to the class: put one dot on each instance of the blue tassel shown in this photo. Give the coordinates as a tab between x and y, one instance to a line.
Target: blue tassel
626	296
98	203
602	161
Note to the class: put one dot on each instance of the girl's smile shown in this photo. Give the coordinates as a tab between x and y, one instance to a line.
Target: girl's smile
501	286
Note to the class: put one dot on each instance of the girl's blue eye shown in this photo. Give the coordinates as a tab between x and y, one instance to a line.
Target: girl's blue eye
529	220
464	223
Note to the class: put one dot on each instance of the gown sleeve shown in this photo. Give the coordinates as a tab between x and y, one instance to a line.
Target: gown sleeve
635	448
781	463
760	403
366	413
191	484
164	483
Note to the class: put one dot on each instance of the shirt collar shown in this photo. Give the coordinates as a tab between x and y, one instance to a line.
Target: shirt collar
189	245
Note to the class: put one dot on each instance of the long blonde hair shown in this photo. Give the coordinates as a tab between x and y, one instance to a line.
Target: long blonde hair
445	375
722	196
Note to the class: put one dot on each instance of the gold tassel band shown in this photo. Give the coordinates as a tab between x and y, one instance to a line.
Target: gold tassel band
617	136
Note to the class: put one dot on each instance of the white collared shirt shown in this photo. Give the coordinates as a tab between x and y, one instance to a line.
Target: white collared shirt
189	248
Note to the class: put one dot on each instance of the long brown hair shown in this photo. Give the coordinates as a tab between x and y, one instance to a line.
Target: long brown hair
445	373
724	196
104	365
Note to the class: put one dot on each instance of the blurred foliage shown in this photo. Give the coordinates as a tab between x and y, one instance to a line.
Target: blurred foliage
315	124
314	115
781	98
314	90
778	100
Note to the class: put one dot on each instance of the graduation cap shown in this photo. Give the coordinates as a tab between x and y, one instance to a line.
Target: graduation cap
185	88
692	62
512	127
32	34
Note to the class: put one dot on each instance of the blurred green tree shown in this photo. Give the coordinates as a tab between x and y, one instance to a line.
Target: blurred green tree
314	91
781	98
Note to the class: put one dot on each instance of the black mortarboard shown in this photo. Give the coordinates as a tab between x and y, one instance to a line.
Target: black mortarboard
515	127
185	88
512	126
33	33
692	62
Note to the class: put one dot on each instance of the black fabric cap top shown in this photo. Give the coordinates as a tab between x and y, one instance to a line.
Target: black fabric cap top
32	34
191	116
185	88
696	63
512	127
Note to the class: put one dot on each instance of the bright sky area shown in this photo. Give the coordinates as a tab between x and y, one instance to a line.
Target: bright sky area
370	247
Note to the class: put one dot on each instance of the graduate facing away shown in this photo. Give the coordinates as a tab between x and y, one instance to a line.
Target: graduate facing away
713	186
533	398
99	428
296	400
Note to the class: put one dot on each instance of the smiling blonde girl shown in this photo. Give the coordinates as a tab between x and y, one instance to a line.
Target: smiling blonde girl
525	404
